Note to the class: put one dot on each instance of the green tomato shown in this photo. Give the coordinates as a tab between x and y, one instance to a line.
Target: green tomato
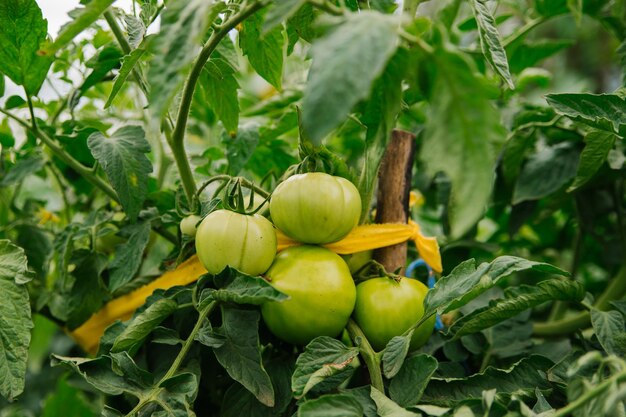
315	207
225	238
321	291
189	225
386	308
357	260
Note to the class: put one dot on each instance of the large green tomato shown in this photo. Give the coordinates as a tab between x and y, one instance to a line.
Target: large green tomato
321	291
315	207
386	308
247	243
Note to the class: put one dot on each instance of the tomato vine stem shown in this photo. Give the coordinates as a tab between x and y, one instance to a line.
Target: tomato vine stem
370	357
154	394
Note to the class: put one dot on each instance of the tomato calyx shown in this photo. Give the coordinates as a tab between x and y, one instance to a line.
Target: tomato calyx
230	194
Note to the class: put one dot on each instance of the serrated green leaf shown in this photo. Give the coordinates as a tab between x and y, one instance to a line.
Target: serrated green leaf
407	387
518	299
322	358
184	25
280	12
546	172
22	169
84	18
22	31
466	281
597	147
122	156
490	41
87	292
96	372
142	324
15	319
597	110
388	408
335	84
264	51
522	377
239	149
336	405
462	132
237	287
240	355
394	354
128	64
129	255
67	401
220	86
108	59
608	325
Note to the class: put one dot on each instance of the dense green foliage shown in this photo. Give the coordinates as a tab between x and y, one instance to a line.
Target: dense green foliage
129	121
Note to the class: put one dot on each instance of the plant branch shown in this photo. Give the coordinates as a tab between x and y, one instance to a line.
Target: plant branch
370	357
154	394
177	139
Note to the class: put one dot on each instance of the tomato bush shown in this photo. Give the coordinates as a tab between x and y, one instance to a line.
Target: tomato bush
245	242
386	307
315	207
120	117
321	294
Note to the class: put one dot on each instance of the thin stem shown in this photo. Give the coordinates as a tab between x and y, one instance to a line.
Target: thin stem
410	7
589	395
370	357
31	109
67	208
60	153
177	361
327	7
117	32
177	140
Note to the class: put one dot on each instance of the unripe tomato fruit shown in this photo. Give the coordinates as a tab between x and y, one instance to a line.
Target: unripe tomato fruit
315	207
321	291
189	225
245	242
386	308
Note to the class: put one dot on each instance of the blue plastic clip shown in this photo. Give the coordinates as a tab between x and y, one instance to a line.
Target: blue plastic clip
410	270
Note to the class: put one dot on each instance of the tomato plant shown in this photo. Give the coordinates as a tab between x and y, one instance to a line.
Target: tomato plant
315	207
245	242
321	294
118	118
387	307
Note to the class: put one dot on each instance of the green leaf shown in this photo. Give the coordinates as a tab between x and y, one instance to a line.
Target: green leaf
546	172
240	148
529	54
264	51
108	59
129	255
466	281
336	405
279	12
394	354
184	24
22	31
597	110
22	169
84	18
237	287
597	147
142	324
240	355
462	131
128	64
518	299
15	319
345	64
609	327
522	377
2	85
67	401
407	387
490	41
122	156
220	86
322	358
388	408
87	292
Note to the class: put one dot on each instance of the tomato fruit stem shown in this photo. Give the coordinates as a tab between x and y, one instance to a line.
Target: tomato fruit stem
370	357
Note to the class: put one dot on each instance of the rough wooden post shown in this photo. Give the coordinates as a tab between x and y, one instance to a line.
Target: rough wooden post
394	183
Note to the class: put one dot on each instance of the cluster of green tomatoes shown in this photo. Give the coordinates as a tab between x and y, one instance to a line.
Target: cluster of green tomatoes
313	209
